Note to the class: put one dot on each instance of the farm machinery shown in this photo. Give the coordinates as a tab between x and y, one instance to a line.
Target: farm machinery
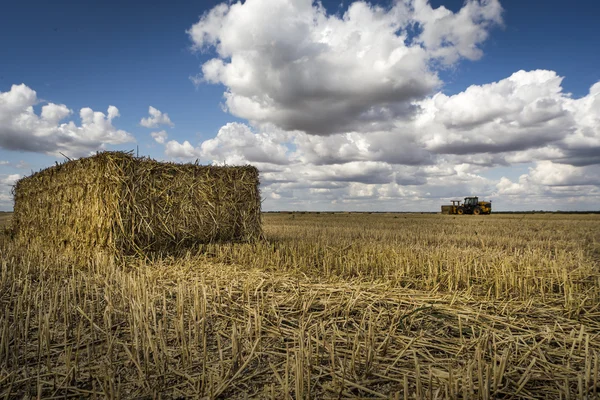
471	205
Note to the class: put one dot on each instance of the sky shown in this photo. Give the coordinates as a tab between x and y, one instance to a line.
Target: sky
343	106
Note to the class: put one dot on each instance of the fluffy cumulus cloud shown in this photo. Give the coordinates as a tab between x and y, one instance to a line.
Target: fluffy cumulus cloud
549	185
22	129
526	110
160	136
444	151
347	111
583	146
155	119
290	63
236	143
549	177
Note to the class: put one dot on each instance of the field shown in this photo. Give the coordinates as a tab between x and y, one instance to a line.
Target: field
404	306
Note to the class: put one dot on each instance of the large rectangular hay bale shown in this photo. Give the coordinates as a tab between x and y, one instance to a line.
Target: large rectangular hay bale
127	204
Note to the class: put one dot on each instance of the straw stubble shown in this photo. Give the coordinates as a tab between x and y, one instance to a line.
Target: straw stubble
330	306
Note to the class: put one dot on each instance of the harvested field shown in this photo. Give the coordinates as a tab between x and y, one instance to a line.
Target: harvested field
329	306
5	218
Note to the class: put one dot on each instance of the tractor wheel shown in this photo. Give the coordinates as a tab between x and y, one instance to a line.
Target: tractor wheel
460	210
477	211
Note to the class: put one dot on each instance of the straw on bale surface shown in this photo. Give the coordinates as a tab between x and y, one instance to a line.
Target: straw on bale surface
446	209
119	202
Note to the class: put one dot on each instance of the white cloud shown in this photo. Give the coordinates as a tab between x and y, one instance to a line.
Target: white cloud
181	150
290	63
356	171
450	36
345	110
506	187
552	174
526	110
444	152
160	137
549	185
9	179
155	119
524	118
395	146
361	191
582	147
22	129
237	143
54	113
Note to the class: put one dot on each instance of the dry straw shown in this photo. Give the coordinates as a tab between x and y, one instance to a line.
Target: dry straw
331	307
117	202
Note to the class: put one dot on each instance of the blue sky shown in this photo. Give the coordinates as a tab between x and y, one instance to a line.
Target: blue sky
134	55
552	35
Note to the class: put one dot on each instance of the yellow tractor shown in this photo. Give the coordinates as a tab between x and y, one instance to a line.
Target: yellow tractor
471	205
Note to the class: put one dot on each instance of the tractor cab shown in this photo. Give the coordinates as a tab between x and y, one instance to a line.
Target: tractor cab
470	206
471	201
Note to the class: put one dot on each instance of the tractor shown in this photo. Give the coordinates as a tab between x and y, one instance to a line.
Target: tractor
471	205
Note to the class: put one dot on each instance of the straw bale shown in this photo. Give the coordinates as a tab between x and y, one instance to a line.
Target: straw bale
128	204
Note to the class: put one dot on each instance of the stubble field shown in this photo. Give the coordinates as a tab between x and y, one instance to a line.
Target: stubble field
329	306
